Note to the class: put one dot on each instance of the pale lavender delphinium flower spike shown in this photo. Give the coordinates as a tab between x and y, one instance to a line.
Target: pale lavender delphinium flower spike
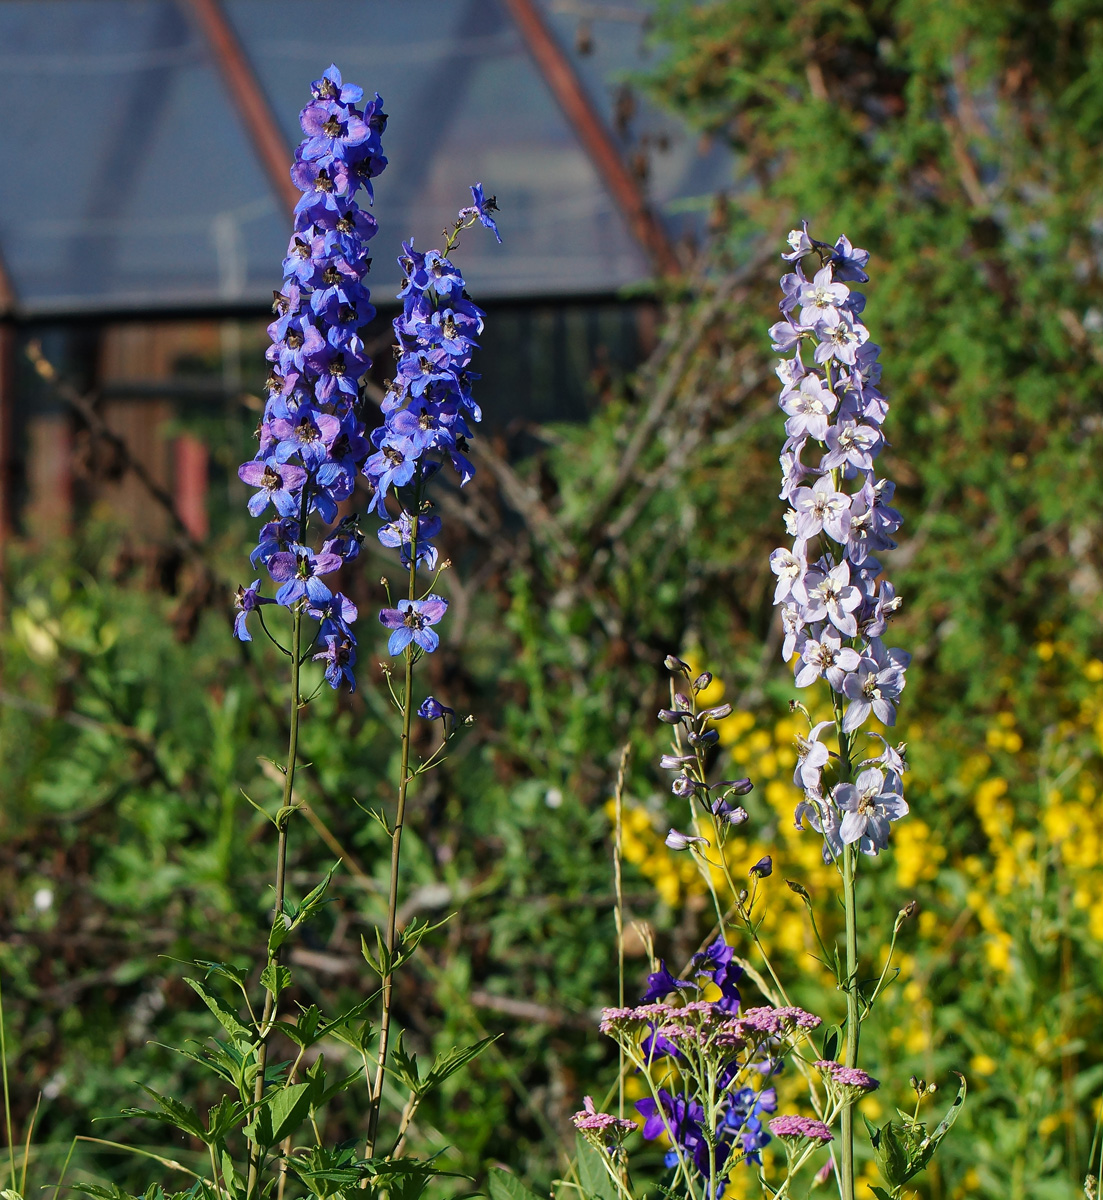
835	603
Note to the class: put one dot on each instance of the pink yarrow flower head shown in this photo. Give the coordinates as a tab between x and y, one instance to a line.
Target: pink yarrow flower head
846	1078
601	1129
787	1126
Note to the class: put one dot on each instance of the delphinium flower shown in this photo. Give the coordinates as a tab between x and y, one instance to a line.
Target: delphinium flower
312	440
426	409
835	602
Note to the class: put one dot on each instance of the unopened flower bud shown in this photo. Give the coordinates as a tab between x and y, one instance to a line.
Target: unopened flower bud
708	738
702	681
682	841
716	714
762	868
737	816
671	716
739	787
673	762
682	701
682	786
676	665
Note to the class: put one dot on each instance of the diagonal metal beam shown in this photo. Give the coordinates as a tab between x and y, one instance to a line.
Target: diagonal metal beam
7	290
560	76
249	99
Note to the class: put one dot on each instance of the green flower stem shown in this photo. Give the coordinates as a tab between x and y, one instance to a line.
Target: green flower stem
7	1095
853	1017
282	819
396	850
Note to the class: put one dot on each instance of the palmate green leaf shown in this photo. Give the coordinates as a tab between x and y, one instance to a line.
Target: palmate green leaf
239	1032
504	1185
595	1181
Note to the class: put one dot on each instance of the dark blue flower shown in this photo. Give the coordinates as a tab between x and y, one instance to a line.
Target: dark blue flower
339	657
245	600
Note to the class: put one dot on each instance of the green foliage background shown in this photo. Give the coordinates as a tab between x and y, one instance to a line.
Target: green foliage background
961	145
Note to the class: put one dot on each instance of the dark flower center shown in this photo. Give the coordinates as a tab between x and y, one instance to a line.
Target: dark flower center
333	127
271	480
337	365
393	456
306	431
413	619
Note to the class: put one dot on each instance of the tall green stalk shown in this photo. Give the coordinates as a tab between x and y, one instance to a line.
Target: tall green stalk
853	1018
282	820
7	1094
396	851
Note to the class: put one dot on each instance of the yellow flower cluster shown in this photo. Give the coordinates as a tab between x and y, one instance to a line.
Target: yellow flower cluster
1068	829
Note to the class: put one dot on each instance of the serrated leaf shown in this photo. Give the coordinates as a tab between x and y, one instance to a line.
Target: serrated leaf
276	979
403	1065
450	1061
288	1109
222	1119
228	971
172	1112
223	1013
595	1181
951	1116
305	1032
281	930
315	898
503	1185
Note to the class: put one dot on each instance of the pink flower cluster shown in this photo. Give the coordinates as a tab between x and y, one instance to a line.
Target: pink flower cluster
847	1077
800	1127
589	1120
777	1020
